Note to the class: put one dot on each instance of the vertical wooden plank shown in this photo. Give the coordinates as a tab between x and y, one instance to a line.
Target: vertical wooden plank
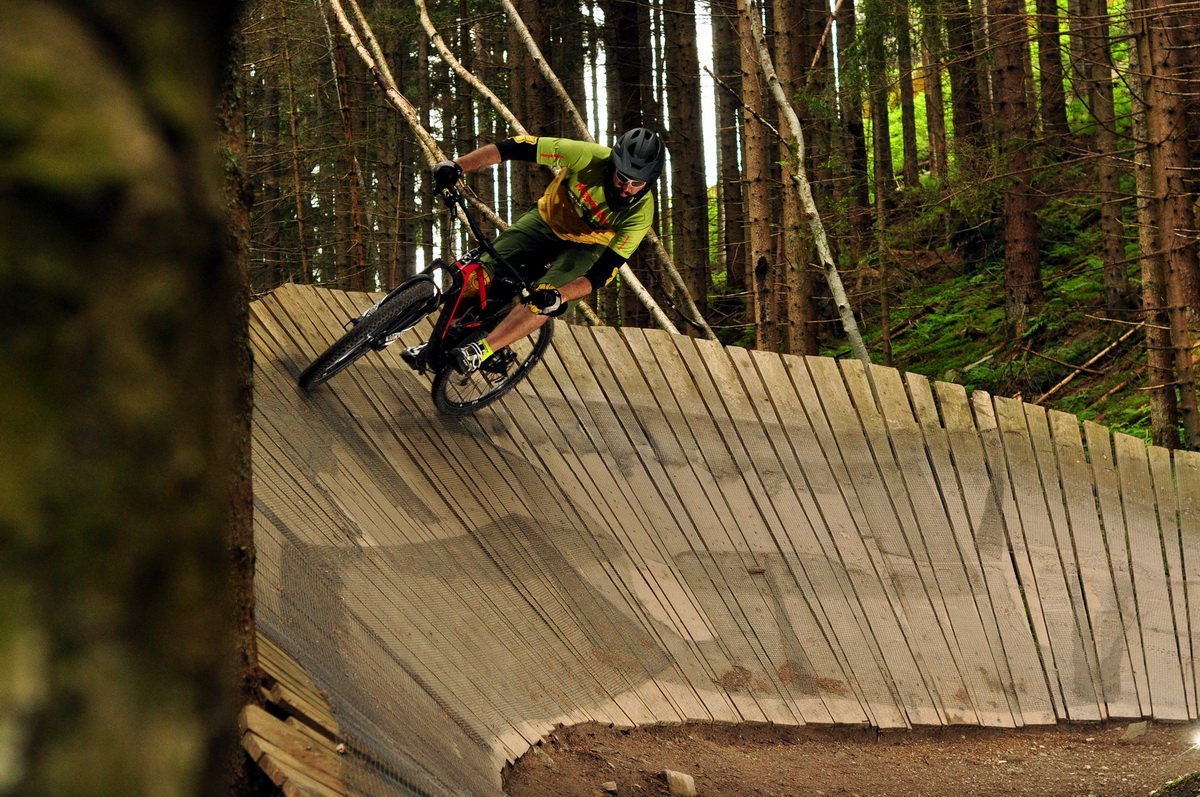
654	427
1066	572
1114	658
1187	486
1004	484
823	399
720	421
1112	516
1043	580
795	582
989	667
907	541
868	636
599	555
937	555
663	529
1172	542
987	498
842	394
816	560
1157	622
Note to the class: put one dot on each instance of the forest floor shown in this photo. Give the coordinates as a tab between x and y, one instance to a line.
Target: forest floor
1101	760
947	323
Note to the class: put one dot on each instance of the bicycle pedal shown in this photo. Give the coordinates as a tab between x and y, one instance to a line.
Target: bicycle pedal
414	357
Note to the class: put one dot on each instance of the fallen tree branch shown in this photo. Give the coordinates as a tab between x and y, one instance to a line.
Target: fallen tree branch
464	73
1137	372
1047	357
1081	368
1122	321
987	356
742	104
820	48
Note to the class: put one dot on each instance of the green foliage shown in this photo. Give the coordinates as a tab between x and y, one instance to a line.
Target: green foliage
1180	787
947	305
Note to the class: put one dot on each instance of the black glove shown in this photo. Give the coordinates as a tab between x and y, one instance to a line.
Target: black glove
445	175
546	301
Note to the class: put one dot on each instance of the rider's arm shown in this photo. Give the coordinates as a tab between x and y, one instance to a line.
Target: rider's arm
521	148
576	289
596	278
485	156
600	274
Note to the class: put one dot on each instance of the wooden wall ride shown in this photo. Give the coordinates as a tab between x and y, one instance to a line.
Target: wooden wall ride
658	529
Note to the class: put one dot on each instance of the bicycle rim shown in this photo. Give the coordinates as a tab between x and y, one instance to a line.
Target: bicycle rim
461	394
400	312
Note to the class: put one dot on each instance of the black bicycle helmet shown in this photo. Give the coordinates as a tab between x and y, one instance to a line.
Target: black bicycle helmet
639	154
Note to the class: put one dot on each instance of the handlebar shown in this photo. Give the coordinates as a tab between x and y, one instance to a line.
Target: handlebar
455	198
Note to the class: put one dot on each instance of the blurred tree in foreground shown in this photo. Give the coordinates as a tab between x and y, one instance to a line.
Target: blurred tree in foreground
117	391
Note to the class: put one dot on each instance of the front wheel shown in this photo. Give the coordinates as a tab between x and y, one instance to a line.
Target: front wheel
459	394
407	307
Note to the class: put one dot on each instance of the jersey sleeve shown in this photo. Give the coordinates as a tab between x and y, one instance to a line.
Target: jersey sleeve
566	153
629	232
604	269
519	148
627	236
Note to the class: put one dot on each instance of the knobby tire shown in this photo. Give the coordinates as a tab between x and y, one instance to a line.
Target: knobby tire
458	394
389	317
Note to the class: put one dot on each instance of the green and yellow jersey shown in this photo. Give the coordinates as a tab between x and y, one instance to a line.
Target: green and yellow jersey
575	206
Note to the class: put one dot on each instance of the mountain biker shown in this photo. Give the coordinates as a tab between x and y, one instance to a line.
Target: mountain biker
589	221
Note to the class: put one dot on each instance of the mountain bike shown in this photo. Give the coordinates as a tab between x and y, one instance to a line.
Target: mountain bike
469	303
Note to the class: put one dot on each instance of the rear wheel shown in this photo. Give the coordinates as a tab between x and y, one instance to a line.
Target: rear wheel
460	394
398	313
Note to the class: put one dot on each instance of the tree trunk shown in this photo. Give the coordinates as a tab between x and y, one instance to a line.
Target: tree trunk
908	114
354	248
119	328
731	202
935	111
762	276
1160	371
1098	82
627	28
239	198
270	245
966	101
1170	64
815	87
685	140
1050	71
873	32
792	249
855	192
771	78
1022	267
298	191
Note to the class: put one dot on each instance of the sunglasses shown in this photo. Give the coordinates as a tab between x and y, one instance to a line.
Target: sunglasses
623	181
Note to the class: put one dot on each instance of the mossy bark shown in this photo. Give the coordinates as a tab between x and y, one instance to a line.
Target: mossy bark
117	384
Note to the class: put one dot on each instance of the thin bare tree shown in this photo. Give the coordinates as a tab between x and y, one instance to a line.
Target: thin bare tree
800	178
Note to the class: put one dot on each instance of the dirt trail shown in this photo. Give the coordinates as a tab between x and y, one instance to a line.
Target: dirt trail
766	761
